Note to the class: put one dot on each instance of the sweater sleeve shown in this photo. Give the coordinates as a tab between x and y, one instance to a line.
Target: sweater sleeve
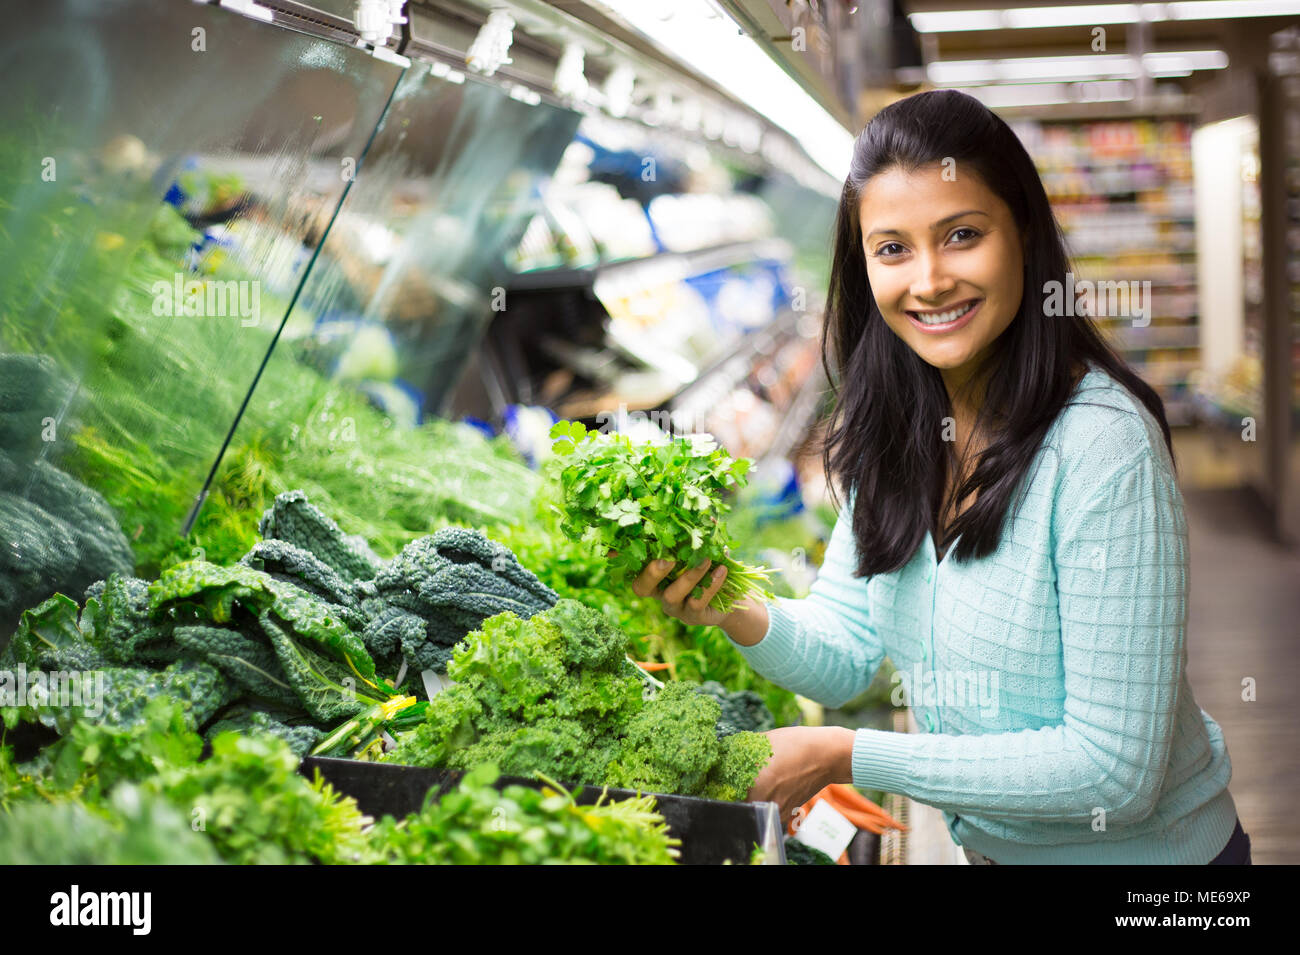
1121	566
823	646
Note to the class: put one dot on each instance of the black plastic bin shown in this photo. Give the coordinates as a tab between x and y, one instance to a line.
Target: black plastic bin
711	832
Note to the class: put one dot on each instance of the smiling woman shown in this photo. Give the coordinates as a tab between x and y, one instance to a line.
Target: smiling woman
957	396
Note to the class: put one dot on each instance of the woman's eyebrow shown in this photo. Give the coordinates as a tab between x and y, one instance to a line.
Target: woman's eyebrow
944	221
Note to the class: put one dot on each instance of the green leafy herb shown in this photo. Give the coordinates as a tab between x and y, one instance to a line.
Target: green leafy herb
654	501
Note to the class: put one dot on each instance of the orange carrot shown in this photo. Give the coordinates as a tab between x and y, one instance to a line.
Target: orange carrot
846	795
652	667
861	820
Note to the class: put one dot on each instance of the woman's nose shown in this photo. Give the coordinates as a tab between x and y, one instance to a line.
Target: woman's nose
931	280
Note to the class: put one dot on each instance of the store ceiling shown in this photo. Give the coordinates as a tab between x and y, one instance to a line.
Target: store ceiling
1244	40
1239	35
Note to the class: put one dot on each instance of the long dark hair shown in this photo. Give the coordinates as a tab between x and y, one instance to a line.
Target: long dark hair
882	443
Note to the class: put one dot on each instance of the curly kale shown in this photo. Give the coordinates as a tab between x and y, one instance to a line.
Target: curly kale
294	519
670	745
743	757
556	693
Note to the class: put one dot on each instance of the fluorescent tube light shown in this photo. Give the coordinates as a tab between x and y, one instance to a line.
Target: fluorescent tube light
1047	68
711	43
1022	18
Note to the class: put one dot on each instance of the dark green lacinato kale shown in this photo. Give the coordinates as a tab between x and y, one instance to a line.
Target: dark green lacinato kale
453	580
32	390
742	711
389	629
102	548
557	694
36	549
293	565
50	637
329	690
251	663
122	624
116	697
201	593
56	534
246	719
294	519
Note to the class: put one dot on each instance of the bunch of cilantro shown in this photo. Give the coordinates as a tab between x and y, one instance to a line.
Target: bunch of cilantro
654	501
556	695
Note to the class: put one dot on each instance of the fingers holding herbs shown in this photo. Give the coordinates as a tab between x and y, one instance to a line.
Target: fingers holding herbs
688	595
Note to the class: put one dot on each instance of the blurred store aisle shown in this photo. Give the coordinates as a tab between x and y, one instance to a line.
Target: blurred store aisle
1244	618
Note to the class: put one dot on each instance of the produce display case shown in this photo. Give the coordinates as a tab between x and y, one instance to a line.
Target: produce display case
247	252
711	832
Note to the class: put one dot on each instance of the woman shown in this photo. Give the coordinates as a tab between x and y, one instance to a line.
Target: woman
1013	535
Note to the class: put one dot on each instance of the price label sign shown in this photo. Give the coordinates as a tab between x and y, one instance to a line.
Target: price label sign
826	829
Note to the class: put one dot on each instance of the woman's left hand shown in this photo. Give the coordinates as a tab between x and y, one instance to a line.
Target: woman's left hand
805	760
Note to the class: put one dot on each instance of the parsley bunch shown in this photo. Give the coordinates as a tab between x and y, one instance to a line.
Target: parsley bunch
654	501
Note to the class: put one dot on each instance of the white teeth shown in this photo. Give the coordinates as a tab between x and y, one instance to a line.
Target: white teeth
944	316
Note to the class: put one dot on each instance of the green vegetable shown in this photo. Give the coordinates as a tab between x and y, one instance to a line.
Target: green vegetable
36	552
201	592
573	570
102	548
475	824
132	828
741	710
124	695
556	694
251	664
50	637
255	807
246	720
295	520
293	565
650	502
453	580
122	626
799	853
329	690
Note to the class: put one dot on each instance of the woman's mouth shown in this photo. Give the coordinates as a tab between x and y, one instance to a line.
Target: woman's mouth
948	320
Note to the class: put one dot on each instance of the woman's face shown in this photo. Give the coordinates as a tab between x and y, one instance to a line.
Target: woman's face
948	249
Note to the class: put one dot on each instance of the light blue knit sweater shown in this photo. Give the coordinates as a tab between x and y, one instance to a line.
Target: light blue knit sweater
1050	675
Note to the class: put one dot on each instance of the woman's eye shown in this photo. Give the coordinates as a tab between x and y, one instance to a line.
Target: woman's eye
884	252
973	234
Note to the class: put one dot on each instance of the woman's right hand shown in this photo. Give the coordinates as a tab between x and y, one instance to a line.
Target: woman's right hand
676	598
746	624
